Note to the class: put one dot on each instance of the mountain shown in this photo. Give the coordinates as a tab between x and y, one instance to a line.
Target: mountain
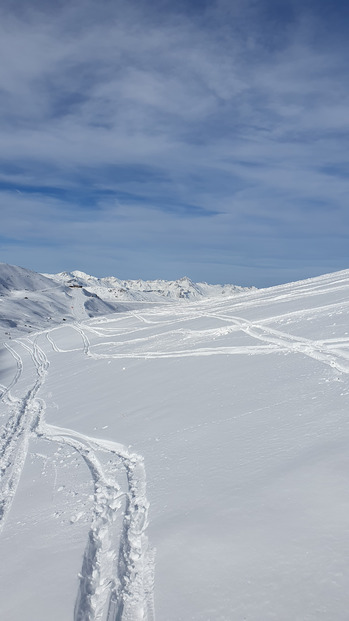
179	460
31	301
13	278
112	288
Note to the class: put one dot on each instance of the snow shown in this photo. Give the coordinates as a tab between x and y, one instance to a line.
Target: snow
179	460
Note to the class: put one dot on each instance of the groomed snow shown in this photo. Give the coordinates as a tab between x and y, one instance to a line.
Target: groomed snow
183	461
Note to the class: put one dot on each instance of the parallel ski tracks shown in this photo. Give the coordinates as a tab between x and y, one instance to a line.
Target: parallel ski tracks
115	584
19	368
15	435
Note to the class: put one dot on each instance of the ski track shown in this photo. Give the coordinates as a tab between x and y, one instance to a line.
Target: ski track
19	368
308	347
15	436
115	584
327	351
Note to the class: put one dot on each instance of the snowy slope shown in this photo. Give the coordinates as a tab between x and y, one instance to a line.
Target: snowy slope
13	278
184	461
30	301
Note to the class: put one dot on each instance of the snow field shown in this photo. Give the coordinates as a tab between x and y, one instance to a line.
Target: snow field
217	429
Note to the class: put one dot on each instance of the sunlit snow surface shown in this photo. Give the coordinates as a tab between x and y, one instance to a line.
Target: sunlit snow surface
240	509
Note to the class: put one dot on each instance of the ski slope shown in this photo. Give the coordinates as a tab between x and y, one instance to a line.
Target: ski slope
185	461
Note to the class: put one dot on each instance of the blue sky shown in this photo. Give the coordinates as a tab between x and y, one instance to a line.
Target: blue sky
160	139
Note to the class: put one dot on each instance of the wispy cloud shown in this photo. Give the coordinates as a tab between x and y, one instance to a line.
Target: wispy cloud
156	133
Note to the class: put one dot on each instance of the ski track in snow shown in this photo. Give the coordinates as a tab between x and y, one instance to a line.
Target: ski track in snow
115	584
16	433
314	349
329	352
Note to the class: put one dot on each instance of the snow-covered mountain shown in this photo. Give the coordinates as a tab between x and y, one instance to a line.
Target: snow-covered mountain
31	301
14	278
183	460
112	288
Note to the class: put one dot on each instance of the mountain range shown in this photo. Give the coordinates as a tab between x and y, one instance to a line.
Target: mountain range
34	301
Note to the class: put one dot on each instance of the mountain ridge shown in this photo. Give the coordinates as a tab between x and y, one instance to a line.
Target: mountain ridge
30	301
182	288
